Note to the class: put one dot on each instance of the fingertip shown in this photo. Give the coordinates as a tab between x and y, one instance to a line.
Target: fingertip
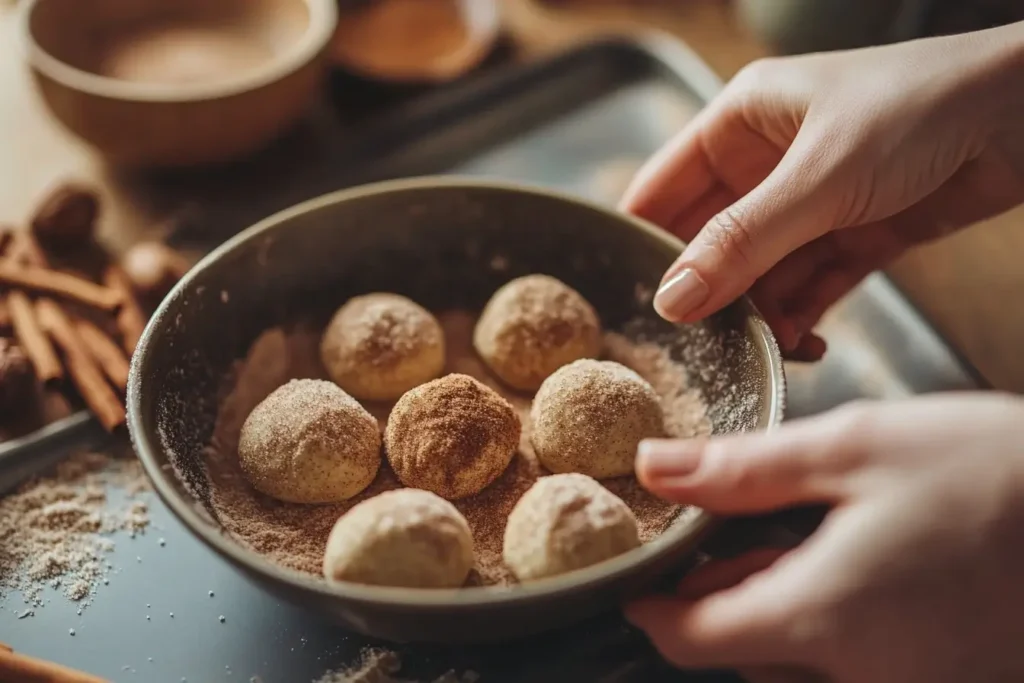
667	458
810	349
680	294
644	613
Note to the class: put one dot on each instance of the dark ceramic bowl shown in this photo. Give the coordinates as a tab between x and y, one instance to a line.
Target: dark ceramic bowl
446	243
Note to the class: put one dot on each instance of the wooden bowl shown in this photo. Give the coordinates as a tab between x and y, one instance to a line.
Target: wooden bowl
413	42
448	243
177	82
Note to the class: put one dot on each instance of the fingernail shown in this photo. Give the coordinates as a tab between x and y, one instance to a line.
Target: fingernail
664	458
681	294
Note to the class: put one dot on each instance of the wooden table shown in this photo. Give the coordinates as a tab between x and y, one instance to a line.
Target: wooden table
966	285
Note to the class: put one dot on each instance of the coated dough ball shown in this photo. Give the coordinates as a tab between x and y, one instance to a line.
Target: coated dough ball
453	436
309	442
406	538
566	522
532	326
379	346
591	415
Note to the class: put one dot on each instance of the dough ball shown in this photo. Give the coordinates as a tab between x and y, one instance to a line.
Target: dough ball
566	522
591	415
309	442
532	326
453	436
379	346
406	538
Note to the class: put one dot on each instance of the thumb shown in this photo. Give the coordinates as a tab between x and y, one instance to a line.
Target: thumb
788	209
799	463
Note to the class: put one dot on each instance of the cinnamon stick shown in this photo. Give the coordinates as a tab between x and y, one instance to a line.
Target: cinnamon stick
131	321
33	339
105	351
25	669
59	284
55	406
85	373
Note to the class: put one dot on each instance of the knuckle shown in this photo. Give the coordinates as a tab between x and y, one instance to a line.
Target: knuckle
728	471
729	232
853	422
756	74
814	629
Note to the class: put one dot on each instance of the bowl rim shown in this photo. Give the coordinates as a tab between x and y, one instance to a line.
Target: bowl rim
146	441
323	19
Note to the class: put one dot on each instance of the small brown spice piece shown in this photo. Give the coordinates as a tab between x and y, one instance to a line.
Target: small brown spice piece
84	372
105	351
131	321
44	280
66	219
33	339
5	318
16	377
153	268
6	237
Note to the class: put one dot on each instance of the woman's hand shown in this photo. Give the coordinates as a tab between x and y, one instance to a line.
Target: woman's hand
915	576
906	142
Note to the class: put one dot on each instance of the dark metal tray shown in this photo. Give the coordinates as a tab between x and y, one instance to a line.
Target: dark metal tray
581	122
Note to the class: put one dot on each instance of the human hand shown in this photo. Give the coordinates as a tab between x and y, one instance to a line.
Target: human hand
905	142
915	575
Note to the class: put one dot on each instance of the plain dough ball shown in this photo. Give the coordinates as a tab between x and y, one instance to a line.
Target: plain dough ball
566	522
309	442
379	346
591	415
453	436
532	326
406	537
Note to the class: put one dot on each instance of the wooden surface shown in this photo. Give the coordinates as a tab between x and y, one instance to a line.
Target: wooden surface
968	286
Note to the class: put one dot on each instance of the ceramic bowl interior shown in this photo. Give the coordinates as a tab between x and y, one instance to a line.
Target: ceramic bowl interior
446	243
178	48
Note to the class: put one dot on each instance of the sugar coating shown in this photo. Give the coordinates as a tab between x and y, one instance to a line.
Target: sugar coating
453	436
534	325
380	345
566	522
405	537
309	442
590	416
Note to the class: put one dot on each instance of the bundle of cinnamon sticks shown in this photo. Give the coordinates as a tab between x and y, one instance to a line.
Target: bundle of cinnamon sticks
76	331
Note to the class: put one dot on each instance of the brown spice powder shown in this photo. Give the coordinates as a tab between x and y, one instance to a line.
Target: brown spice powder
295	535
56	529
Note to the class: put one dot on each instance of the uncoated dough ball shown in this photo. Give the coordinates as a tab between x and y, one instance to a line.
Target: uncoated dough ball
453	436
532	326
590	416
309	442
566	522
379	346
406	537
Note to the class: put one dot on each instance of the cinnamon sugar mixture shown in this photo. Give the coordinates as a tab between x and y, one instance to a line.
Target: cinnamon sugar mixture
57	529
295	535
